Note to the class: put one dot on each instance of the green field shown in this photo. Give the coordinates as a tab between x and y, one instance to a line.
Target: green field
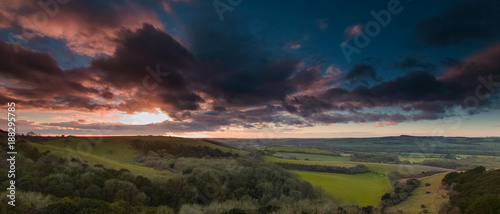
361	189
312	157
299	150
432	201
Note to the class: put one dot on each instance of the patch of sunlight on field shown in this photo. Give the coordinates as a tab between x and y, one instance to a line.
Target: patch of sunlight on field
326	163
360	189
432	201
312	157
299	150
93	159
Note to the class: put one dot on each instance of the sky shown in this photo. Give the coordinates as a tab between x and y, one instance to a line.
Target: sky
251	68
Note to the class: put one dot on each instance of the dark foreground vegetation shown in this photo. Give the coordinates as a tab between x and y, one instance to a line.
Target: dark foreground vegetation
400	193
473	191
359	169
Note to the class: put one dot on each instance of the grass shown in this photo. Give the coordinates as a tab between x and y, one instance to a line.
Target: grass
94	159
432	201
300	150
361	189
312	157
116	152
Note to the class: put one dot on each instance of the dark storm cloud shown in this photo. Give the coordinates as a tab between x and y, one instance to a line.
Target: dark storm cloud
153	48
412	63
238	67
362	73
419	93
466	21
358	117
35	80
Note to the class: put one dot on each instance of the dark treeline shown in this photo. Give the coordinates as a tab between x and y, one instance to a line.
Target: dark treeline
179	150
375	158
448	164
400	193
359	169
473	191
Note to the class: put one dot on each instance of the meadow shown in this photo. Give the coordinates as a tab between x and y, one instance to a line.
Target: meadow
361	189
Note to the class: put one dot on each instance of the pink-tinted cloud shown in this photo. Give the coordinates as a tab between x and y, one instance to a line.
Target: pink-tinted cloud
352	31
87	28
483	62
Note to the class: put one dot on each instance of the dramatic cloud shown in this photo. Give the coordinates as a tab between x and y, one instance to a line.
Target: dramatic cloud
88	27
37	80
413	63
236	74
362	73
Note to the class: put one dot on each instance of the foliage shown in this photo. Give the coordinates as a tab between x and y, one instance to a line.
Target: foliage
448	164
400	193
474	191
375	158
303	150
359	169
179	150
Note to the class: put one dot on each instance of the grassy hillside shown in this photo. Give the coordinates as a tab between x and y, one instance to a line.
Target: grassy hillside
116	152
432	202
362	189
94	158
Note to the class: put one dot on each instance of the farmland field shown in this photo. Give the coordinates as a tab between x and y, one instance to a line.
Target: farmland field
362	189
